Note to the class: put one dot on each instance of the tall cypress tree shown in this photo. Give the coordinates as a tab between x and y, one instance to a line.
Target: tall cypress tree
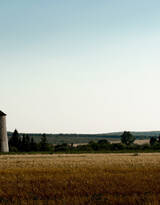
15	140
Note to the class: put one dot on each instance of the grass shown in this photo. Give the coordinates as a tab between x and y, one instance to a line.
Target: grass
78	179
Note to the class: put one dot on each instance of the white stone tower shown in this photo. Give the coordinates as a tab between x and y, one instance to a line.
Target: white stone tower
3	133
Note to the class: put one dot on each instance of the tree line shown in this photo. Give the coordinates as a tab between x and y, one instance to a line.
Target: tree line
25	143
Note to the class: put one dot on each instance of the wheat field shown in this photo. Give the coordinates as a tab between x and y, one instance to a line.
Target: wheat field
80	179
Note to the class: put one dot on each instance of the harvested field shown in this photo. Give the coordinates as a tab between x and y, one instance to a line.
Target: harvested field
139	142
78	179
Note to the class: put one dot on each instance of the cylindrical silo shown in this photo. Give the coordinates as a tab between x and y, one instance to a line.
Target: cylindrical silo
3	133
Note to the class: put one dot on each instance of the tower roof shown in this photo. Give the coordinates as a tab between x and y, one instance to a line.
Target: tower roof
2	113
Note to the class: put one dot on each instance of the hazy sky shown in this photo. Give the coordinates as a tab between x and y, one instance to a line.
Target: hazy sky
80	66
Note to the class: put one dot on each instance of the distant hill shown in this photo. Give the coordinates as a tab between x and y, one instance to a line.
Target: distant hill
85	138
141	134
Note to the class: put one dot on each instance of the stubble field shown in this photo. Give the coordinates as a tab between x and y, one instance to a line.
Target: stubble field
80	179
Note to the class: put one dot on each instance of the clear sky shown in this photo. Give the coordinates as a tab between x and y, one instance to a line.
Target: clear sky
80	66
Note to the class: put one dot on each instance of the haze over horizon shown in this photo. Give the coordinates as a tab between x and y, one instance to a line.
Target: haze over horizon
80	66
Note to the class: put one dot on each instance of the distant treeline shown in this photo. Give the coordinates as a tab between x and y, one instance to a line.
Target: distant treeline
26	143
86	138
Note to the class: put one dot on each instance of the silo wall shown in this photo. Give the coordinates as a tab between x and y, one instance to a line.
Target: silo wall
3	135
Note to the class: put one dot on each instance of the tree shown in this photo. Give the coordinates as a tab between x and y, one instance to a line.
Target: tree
27	149
62	148
104	144
153	141
15	140
33	145
127	138
93	145
103	141
117	146
43	145
23	143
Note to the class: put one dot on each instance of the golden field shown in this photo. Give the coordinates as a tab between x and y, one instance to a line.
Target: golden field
80	179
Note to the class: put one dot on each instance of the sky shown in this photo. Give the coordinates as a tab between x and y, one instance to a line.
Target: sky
80	66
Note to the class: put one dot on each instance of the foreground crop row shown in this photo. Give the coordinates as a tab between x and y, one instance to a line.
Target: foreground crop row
80	179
